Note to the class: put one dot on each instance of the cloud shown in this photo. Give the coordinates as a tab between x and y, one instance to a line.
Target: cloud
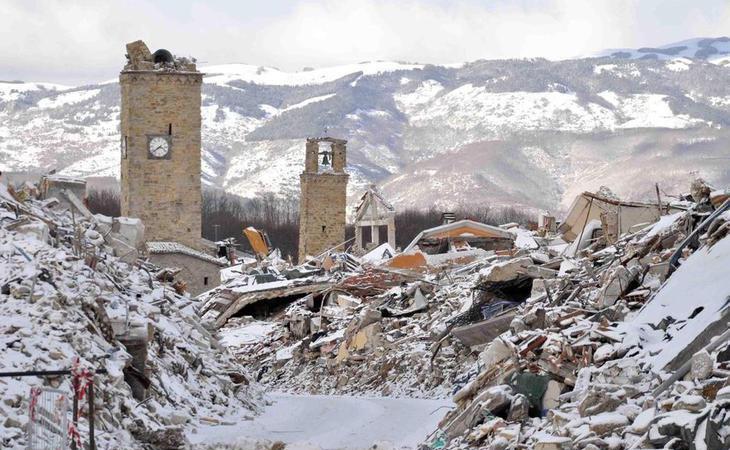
84	40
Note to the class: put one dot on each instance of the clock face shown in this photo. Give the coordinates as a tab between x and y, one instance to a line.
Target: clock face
159	147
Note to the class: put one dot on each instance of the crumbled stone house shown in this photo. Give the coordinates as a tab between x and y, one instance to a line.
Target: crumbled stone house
323	202
613	217
461	235
454	242
200	271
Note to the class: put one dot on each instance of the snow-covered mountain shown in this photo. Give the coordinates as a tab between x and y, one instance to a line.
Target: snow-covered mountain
716	50
525	132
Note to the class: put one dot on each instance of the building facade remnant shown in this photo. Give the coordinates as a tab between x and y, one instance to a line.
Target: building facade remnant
54	185
200	270
371	214
323	200
160	144
460	235
616	216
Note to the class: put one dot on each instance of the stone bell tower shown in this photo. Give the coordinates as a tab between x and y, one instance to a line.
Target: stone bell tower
324	197
160	144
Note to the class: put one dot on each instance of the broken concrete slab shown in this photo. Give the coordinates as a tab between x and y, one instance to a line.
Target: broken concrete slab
479	333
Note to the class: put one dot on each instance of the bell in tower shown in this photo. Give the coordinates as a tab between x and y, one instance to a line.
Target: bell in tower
325	159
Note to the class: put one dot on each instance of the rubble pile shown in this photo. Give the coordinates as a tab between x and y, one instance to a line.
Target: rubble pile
65	298
371	329
617	340
383	344
626	347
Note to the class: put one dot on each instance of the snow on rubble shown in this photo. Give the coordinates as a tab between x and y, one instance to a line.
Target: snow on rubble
619	352
616	341
477	336
64	296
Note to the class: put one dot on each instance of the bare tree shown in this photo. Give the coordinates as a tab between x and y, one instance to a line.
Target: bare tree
106	202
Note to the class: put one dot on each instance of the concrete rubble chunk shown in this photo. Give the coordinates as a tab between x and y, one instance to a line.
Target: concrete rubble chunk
553	443
506	271
691	403
519	408
596	402
618	283
551	398
702	365
607	422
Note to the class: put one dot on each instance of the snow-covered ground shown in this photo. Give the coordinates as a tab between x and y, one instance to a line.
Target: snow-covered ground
332	423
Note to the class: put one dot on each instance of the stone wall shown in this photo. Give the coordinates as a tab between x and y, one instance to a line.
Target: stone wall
322	212
194	270
164	193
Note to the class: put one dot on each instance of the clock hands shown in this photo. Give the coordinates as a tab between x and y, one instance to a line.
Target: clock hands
158	147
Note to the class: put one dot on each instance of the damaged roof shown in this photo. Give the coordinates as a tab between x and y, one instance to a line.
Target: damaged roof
460	228
588	206
168	248
366	200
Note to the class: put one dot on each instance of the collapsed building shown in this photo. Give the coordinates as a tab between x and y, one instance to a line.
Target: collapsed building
540	349
56	186
602	215
199	271
68	302
466	238
374	222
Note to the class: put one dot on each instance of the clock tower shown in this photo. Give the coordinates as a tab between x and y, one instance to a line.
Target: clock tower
160	144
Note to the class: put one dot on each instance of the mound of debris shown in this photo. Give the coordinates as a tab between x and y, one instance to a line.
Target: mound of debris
340	342
67	302
626	348
609	335
367	326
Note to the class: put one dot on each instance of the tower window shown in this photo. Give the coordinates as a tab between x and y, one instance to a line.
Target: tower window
324	227
205	281
169	129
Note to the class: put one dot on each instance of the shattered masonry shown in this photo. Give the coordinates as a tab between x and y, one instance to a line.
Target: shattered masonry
65	295
543	341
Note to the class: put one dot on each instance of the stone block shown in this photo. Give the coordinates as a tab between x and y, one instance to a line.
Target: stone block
138	51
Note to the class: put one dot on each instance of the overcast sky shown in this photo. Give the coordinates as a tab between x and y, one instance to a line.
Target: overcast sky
80	41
